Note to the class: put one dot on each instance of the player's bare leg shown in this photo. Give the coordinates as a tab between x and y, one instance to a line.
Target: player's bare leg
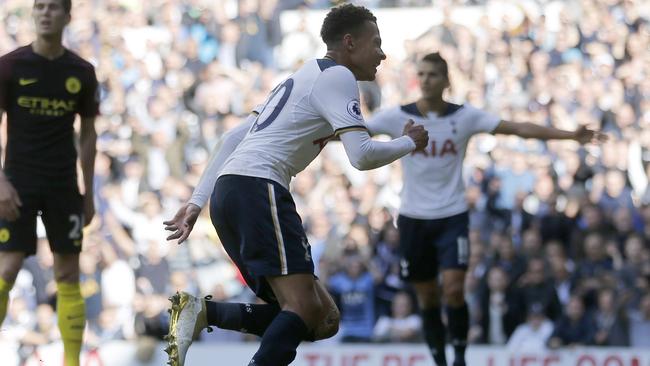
330	316
302	308
71	308
10	263
428	294
453	291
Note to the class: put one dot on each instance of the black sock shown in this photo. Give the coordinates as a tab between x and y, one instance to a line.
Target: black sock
245	318
458	328
279	343
434	334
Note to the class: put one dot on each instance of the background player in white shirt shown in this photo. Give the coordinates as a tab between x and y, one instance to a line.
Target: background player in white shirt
433	220
253	211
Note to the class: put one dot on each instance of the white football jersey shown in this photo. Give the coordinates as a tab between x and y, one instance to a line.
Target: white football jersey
433	184
311	106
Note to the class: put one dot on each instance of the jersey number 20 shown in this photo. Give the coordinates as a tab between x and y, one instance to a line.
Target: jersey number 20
285	88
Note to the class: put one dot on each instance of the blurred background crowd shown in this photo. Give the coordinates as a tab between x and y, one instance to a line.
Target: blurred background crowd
560	233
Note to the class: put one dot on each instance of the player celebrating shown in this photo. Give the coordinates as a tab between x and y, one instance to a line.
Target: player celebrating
42	87
253	211
433	221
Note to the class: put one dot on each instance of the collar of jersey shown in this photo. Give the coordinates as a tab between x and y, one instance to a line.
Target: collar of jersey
412	108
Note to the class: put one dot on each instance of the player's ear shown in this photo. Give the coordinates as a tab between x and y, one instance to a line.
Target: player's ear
348	41
447	90
68	17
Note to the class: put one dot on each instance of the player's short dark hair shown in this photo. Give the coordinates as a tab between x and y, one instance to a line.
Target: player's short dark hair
342	20
435	58
66	4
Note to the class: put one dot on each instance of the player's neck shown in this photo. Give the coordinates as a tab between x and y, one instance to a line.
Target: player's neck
49	48
343	59
334	56
435	105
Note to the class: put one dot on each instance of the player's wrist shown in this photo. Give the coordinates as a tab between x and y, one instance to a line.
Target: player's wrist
194	201
193	206
575	134
410	141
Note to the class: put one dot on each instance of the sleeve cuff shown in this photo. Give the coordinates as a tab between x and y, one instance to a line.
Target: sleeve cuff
198	201
339	131
407	142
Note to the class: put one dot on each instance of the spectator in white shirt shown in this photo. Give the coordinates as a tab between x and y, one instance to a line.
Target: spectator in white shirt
402	326
532	335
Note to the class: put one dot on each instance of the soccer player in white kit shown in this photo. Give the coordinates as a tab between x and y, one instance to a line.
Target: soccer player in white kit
253	211
433	220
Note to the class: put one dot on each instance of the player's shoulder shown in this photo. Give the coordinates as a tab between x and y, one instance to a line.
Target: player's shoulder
410	109
17	54
73	58
333	69
468	111
453	108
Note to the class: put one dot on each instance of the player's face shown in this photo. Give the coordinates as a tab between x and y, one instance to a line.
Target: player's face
432	78
49	17
367	53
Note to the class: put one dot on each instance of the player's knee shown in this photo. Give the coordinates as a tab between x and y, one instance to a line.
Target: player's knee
68	275
428	302
66	268
428	297
10	266
454	294
308	308
9	274
329	326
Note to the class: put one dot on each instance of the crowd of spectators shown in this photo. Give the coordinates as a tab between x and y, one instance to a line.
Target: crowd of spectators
560	234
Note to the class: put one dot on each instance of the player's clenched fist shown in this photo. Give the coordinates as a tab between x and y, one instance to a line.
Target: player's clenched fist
417	132
9	201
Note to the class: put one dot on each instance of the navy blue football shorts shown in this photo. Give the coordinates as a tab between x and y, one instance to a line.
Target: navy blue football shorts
429	245
261	231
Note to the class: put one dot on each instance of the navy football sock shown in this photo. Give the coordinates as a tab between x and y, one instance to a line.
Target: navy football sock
434	334
279	343
458	328
245	318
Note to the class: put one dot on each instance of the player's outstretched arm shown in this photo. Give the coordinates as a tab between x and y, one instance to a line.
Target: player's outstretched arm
530	130
185	218
9	200
365	153
87	152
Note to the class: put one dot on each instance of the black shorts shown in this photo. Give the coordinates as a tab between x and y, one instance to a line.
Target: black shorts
430	245
61	210
261	231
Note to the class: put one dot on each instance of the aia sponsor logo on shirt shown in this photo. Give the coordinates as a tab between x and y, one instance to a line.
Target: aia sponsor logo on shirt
436	149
